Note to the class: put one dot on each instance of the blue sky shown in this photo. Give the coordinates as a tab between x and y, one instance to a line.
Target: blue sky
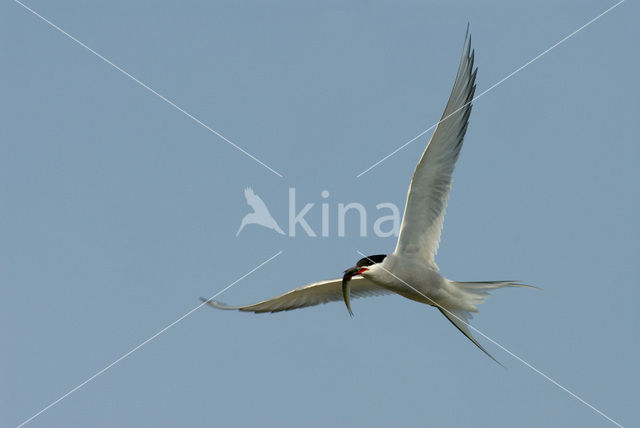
118	212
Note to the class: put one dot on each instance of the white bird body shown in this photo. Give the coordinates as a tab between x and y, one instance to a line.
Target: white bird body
411	270
428	285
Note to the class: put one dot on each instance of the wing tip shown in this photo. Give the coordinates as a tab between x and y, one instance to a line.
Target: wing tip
216	304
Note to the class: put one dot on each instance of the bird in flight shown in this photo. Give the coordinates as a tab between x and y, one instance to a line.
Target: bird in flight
260	214
411	270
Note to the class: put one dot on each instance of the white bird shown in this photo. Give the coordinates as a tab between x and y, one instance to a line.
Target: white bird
411	270
260	214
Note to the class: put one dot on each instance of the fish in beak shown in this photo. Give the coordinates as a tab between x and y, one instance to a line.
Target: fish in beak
348	274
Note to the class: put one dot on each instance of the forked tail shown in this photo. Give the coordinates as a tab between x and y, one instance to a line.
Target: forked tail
478	291
474	293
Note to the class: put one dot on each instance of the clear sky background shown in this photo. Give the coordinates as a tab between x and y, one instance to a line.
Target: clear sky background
118	212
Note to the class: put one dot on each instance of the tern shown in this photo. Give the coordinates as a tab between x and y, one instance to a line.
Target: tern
411	270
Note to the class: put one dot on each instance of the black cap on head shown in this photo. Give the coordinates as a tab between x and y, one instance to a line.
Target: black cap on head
371	260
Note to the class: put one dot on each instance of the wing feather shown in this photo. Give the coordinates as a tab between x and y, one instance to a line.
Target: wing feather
308	295
429	190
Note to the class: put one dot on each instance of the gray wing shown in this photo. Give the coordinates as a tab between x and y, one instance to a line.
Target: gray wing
308	295
429	190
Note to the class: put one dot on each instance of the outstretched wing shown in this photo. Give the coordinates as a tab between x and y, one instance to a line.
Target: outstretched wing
429	190
308	295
